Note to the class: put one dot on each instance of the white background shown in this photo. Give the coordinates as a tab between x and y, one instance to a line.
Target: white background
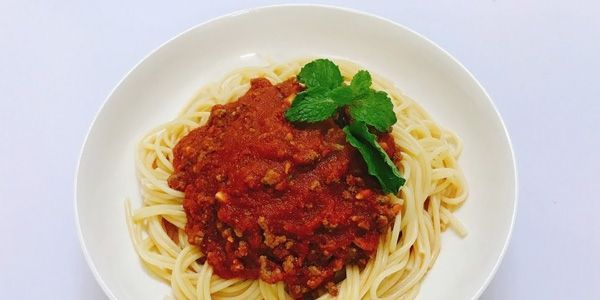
539	60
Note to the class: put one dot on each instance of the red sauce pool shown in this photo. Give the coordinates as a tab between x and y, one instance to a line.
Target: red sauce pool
268	199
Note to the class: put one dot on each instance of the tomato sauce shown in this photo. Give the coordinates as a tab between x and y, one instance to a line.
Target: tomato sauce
268	199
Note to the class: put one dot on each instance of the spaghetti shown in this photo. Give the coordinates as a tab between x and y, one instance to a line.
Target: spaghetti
435	187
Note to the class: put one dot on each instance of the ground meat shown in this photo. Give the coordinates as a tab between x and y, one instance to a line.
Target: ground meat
268	199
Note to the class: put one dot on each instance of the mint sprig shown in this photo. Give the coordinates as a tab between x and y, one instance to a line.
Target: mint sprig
326	94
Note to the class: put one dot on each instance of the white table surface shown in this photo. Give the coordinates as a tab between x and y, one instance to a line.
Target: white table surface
539	61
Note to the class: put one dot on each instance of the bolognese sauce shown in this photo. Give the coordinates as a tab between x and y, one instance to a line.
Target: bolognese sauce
268	199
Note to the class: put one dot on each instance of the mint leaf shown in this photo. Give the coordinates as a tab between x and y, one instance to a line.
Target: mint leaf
342	95
361	82
320	73
378	162
374	108
311	105
317	104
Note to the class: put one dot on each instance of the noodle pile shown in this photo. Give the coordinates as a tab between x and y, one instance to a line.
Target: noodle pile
435	187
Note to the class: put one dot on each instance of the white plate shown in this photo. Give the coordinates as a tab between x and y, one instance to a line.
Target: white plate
157	88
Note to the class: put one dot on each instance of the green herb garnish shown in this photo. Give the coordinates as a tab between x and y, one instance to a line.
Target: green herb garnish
378	162
370	106
326	95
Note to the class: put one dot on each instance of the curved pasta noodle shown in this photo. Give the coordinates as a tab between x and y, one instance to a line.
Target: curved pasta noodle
435	187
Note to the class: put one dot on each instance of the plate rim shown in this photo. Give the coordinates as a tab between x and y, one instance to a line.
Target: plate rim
89	261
